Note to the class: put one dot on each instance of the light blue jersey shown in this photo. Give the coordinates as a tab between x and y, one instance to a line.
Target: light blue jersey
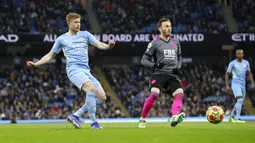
238	70
75	48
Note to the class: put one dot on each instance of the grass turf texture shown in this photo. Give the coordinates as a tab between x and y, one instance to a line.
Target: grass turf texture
129	133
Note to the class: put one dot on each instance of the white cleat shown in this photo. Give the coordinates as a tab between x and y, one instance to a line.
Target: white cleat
142	124
176	119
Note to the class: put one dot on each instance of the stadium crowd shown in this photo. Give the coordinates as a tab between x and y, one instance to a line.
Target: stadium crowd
203	83
38	16
125	16
47	93
44	93
132	16
244	13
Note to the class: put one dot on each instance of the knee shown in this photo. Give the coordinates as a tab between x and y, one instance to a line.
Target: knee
156	90
240	100
103	98
178	91
88	87
100	94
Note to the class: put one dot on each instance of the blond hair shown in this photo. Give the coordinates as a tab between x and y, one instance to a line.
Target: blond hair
71	16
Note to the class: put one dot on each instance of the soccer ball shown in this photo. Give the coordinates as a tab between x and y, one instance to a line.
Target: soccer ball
215	114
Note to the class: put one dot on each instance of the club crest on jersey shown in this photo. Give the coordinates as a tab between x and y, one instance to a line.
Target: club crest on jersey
82	39
244	65
174	46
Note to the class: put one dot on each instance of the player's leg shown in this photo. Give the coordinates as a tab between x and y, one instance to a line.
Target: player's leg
97	89
100	93
89	88
233	113
231	117
82	81
238	106
90	104
100	97
237	90
177	115
175	88
240	101
148	104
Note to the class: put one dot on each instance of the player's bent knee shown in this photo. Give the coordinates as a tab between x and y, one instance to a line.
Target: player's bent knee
102	98
88	87
240	100
178	91
156	90
238	97
100	94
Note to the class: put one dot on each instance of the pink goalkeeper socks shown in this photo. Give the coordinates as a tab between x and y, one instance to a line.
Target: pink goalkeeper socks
177	104
149	104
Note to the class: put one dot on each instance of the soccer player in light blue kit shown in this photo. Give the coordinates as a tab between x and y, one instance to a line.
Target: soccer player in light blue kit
239	68
74	44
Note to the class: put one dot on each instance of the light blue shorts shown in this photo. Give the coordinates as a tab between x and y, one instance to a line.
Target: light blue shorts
238	89
79	76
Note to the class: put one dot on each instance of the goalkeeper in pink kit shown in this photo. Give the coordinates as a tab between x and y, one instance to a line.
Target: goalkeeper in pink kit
166	53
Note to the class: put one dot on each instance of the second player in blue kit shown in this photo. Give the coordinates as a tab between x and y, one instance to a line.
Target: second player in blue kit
239	69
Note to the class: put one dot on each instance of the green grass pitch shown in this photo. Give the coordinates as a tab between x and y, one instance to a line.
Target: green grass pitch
129	133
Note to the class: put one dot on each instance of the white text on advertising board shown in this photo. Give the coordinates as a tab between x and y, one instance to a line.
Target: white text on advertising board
147	37
9	38
243	37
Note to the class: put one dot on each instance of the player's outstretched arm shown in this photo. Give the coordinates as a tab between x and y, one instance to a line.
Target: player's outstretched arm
45	59
103	46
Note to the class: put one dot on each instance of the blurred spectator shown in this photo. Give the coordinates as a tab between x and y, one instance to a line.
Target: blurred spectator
244	13
133	16
39	16
125	16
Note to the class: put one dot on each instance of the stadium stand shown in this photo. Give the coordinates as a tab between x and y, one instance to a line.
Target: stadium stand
39	16
136	16
44	94
244	14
